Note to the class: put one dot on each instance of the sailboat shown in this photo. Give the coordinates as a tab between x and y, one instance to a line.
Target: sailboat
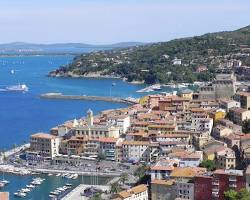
4	181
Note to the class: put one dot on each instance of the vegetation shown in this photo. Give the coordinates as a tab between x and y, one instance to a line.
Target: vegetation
246	126
124	177
209	164
96	196
141	171
115	188
243	194
154	62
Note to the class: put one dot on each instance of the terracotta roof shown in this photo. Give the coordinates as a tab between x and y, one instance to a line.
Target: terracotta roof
187	172
134	190
108	140
43	136
163	182
135	142
162	168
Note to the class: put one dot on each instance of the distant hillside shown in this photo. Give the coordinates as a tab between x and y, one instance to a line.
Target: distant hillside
179	60
26	48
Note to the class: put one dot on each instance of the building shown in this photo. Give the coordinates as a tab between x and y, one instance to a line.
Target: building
45	144
220	131
202	187
176	61
107	147
90	129
217	114
238	115
247	174
139	192
227	104
222	87
4	195
187	94
223	180
134	151
226	159
243	98
163	189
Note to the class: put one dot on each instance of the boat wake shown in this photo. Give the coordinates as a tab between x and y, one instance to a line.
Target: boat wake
3	90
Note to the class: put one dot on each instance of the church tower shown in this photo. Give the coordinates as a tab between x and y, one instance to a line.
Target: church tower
90	118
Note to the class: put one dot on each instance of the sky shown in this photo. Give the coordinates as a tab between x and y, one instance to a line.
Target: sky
112	21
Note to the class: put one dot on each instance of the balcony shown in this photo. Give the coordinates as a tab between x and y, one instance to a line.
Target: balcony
232	185
215	183
232	179
215	194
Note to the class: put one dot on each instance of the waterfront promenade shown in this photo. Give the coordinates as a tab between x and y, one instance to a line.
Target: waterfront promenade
13	151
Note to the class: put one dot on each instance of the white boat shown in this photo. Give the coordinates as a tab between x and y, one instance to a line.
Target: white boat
20	194
4	182
68	184
25	190
30	186
12	71
17	88
50	174
58	174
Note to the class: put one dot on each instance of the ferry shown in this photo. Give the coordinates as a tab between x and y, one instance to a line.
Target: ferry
17	88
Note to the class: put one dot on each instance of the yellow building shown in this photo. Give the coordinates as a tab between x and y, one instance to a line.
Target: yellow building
217	114
187	94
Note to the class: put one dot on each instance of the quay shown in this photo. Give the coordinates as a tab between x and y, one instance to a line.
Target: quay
14	151
129	101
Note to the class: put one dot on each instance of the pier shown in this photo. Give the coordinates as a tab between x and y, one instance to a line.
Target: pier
129	101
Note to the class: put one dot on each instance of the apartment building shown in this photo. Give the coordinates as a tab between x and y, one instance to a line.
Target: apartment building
139	192
238	115
45	144
244	99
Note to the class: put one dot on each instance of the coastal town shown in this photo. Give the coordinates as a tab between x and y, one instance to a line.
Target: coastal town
185	145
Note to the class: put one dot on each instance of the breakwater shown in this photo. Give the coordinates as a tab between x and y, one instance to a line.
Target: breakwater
130	101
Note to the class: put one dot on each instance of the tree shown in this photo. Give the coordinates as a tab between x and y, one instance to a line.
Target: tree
124	177
140	171
96	196
115	188
243	194
209	164
230	195
246	126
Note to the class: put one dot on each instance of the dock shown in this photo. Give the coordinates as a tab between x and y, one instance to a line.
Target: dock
129	101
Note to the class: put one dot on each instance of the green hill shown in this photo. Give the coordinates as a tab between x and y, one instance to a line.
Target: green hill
153	63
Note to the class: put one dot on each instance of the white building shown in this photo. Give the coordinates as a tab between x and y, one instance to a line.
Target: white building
135	151
121	121
139	192
176	61
96	130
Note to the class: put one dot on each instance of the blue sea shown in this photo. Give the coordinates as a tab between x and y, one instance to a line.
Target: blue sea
22	114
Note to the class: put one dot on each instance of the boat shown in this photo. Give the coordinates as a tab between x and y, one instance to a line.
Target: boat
30	186
17	88
12	71
25	190
2	185
20	194
58	174
50	174
68	184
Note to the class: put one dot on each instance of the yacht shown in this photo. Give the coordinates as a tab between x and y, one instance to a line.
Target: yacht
20	194
18	88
